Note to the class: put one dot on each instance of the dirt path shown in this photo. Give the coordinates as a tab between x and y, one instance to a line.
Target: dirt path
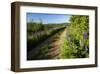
54	44
59	42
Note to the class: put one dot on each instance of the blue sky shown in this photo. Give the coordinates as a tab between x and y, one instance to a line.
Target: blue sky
48	18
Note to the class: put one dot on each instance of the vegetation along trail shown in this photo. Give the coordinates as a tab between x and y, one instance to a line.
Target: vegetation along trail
48	49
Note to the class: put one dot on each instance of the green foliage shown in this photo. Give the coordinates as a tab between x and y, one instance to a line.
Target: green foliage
33	27
76	45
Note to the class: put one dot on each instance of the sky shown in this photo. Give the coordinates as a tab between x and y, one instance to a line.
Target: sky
48	18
